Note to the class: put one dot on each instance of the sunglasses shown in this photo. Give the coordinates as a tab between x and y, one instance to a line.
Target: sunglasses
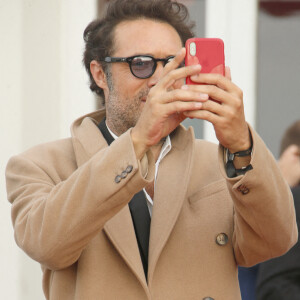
141	66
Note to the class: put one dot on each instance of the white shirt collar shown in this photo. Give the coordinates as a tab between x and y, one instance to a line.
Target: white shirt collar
113	135
166	147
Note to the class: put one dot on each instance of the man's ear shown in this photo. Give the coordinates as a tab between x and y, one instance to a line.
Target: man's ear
99	75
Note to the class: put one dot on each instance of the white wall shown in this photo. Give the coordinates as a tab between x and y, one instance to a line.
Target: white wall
43	88
10	114
235	21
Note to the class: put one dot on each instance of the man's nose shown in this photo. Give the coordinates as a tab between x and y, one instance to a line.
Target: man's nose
153	80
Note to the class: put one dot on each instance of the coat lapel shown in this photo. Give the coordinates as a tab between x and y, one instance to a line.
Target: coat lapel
87	140
168	199
121	233
170	190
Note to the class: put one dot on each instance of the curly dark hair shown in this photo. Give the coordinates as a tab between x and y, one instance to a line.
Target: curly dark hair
99	34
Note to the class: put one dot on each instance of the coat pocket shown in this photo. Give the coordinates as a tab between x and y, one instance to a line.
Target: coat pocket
210	190
212	207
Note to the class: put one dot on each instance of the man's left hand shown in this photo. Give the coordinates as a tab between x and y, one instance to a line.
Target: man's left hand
224	109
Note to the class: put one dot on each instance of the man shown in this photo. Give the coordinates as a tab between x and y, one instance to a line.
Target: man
279	278
70	198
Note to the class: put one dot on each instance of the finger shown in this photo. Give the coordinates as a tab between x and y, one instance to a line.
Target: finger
214	107
175	63
184	95
170	78
180	107
203	115
218	80
177	74
215	93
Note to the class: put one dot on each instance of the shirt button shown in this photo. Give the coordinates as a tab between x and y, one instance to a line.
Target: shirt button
118	179
222	239
129	169
124	174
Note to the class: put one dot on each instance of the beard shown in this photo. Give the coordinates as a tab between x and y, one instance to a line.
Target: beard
122	112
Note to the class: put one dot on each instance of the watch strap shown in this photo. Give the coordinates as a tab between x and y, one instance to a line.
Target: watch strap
230	168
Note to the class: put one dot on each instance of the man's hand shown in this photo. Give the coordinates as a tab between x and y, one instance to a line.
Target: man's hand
166	102
169	102
225	109
289	164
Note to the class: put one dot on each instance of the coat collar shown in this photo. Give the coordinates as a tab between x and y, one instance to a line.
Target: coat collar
168	199
86	136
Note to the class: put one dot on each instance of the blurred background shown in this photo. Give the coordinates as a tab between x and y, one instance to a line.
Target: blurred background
44	87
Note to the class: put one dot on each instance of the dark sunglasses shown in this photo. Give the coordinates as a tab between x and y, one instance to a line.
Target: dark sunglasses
141	66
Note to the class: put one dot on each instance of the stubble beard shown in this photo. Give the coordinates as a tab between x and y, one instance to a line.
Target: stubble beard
122	112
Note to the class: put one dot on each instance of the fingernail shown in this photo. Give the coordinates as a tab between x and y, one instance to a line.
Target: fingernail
185	87
204	96
198	104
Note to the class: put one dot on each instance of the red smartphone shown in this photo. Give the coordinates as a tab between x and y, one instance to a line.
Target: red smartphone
208	52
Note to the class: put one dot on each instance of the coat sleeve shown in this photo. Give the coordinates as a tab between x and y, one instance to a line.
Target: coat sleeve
264	214
57	209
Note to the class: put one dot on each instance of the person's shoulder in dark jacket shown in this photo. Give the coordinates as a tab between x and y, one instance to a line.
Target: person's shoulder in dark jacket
279	278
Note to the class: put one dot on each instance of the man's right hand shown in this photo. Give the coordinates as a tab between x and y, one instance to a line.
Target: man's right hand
166	102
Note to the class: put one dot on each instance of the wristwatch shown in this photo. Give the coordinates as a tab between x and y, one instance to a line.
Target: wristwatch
230	168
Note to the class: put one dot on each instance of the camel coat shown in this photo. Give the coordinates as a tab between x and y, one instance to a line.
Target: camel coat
71	216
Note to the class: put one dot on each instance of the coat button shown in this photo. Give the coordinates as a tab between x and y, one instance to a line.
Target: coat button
124	174
243	189
208	298
118	179
129	169
222	239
